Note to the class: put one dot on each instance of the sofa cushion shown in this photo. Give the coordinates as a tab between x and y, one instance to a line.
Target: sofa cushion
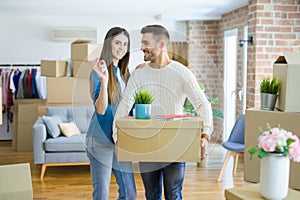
61	111
69	129
81	115
65	144
52	125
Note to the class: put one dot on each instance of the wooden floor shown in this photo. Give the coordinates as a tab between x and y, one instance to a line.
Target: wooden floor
74	182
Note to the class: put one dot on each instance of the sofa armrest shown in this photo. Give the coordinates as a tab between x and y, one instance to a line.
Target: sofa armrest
39	136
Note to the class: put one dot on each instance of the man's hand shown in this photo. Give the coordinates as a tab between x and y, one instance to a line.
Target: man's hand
204	145
140	66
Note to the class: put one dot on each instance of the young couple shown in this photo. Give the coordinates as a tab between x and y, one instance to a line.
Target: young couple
112	90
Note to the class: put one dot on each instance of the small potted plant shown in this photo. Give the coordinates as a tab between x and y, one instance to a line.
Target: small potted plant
269	90
143	100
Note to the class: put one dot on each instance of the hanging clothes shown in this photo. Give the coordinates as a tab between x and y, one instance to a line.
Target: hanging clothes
16	79
20	94
41	87
4	87
9	102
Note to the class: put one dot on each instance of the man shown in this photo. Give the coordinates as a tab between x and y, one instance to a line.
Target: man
170	82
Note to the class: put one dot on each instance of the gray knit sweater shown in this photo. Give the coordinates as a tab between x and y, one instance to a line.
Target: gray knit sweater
170	86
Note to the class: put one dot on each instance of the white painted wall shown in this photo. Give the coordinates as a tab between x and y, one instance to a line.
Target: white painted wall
27	38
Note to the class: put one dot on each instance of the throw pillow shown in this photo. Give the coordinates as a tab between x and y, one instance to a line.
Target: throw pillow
52	125
69	129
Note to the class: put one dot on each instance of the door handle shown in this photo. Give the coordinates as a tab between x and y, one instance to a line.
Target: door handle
240	95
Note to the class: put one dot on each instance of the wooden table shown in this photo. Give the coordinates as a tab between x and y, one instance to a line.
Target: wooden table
251	192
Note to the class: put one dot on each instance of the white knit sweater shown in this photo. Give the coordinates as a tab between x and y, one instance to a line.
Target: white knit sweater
170	86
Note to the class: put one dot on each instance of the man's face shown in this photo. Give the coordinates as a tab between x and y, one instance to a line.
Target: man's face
150	47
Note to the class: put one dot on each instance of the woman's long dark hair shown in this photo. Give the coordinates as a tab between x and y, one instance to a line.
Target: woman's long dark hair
114	94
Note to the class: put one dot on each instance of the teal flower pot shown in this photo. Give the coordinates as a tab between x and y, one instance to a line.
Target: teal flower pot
142	111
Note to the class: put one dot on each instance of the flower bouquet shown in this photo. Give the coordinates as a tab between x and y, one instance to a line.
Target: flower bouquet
276	147
277	140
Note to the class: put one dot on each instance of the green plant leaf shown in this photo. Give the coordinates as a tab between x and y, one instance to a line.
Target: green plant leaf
213	100
143	97
217	113
289	141
262	153
270	86
253	151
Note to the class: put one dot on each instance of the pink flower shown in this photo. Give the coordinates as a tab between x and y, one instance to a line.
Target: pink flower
295	151
267	141
277	140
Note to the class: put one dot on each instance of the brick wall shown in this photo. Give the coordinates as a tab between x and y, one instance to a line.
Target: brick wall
203	46
275	27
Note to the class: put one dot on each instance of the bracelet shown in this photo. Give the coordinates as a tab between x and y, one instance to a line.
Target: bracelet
204	135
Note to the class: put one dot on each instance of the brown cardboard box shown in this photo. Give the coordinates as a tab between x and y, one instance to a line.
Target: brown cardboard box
251	192
68	90
53	68
82	69
158	141
287	69
25	114
1	104
15	182
84	50
256	118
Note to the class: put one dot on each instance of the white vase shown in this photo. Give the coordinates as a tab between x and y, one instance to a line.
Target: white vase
274	176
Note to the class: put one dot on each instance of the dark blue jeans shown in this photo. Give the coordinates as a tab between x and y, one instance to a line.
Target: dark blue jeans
170	174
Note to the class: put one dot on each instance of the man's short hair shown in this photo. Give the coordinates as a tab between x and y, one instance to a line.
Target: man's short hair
157	30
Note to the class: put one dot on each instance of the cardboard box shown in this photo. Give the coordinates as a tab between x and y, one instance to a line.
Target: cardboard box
287	69
252	192
1	104
53	68
68	90
256	118
15	182
84	50
25	114
82	69
158	141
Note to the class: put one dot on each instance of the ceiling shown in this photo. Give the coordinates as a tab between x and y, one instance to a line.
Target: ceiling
158	9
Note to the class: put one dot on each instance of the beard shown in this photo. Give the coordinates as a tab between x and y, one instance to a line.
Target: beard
147	56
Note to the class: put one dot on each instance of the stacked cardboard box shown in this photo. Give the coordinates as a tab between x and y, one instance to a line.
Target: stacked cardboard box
74	90
68	91
25	114
53	68
83	52
287	69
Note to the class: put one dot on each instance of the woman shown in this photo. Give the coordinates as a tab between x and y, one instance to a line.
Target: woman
107	80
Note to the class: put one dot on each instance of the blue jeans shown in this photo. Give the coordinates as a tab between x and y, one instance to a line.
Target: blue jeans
172	176
102	162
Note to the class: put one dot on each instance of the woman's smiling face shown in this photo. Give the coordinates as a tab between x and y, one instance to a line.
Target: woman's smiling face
119	46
